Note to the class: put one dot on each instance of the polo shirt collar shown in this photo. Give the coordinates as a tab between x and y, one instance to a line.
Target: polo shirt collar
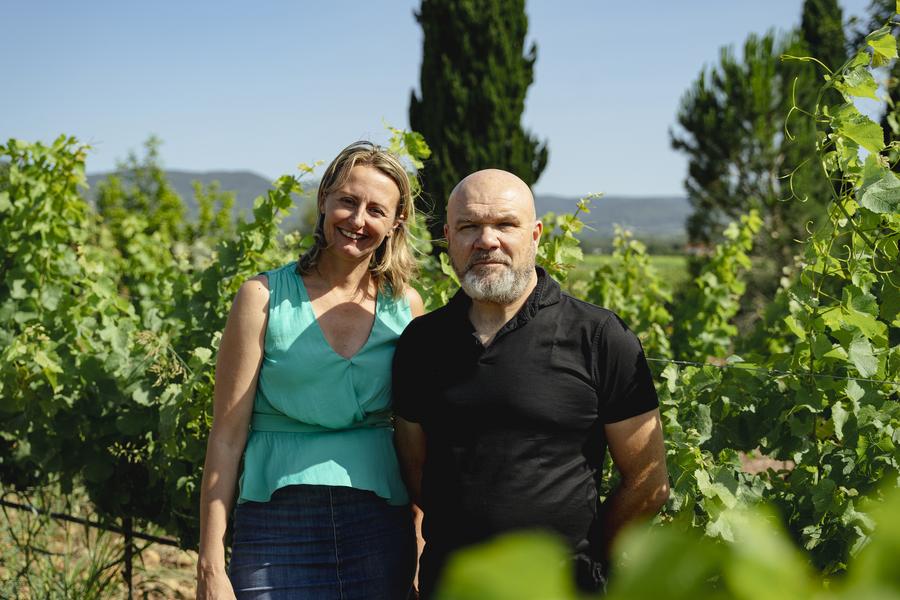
545	293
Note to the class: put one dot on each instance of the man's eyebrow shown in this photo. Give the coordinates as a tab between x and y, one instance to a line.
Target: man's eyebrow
490	218
507	217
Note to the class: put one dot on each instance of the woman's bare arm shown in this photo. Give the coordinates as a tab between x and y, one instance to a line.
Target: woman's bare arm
237	370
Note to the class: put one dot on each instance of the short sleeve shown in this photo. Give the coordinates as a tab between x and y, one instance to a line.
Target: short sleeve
407	388
622	377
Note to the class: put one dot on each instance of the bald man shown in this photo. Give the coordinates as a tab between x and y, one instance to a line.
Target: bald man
508	397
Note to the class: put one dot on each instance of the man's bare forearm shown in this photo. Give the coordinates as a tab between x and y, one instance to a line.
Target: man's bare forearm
409	440
629	502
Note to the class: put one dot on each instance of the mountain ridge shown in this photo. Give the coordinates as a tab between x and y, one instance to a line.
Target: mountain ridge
645	216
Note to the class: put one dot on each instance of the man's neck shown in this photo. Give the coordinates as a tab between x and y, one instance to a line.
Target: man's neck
488	317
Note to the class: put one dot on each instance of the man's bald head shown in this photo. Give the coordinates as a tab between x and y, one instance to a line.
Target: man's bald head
492	184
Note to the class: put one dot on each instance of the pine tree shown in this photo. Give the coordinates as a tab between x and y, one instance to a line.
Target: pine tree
730	123
474	78
743	154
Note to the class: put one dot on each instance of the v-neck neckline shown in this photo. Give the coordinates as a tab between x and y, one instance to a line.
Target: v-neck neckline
315	320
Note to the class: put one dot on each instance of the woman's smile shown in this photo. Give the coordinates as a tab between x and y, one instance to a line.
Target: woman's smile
351	235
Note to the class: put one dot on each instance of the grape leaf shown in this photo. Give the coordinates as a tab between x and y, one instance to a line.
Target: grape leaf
883	196
863	358
859	128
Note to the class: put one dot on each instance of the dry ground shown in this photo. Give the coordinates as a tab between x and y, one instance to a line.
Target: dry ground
46	558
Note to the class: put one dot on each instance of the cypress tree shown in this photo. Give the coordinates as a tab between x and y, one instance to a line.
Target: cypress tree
823	31
474	77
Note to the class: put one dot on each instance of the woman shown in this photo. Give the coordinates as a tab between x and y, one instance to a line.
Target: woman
303	381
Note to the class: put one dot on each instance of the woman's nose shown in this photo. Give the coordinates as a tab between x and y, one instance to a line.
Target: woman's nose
358	216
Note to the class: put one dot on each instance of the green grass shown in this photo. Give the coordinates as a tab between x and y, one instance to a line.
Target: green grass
672	268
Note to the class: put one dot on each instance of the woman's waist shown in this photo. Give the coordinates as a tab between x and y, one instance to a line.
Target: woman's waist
276	422
362	457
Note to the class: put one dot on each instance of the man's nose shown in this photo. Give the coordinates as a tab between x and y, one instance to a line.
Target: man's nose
487	238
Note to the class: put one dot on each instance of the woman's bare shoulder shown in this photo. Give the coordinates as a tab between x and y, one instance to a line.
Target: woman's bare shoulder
253	292
416	306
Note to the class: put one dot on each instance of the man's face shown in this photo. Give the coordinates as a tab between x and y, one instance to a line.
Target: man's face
492	236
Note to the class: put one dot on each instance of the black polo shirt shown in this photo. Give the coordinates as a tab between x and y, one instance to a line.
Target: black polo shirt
514	430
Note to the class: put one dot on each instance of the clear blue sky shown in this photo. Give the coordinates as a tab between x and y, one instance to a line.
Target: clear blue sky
265	85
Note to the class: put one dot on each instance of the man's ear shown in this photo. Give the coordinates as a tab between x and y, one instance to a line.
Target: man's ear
538	230
446	230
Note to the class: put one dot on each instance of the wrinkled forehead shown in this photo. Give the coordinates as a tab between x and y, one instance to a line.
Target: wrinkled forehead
489	203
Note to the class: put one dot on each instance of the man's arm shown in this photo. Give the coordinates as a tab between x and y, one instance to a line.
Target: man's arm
637	450
409	438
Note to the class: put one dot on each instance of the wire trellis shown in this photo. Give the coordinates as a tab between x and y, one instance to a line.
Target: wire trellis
748	367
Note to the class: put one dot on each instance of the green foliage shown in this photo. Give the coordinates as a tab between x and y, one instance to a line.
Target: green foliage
66	332
474	78
630	286
703	325
214	214
759	563
882	12
140	191
514	567
109	322
558	249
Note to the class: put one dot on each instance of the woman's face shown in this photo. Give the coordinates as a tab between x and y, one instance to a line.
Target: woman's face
361	213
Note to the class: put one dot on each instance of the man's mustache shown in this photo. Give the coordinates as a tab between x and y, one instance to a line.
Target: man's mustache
482	256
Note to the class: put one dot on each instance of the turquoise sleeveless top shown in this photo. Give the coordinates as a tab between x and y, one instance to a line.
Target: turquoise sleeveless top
320	418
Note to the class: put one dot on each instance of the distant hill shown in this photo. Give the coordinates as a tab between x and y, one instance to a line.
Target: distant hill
246	186
646	216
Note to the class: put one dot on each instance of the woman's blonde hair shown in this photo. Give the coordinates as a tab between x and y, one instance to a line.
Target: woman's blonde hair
392	263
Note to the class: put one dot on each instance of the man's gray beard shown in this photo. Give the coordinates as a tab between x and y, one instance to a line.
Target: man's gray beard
504	287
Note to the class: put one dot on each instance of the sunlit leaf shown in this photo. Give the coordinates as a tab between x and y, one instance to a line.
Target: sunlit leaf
858	82
859	128
883	196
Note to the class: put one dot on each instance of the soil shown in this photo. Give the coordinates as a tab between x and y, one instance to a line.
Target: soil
45	558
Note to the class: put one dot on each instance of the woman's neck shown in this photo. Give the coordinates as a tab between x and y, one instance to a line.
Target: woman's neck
348	276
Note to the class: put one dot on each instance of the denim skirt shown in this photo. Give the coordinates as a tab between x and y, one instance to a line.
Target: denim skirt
322	542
